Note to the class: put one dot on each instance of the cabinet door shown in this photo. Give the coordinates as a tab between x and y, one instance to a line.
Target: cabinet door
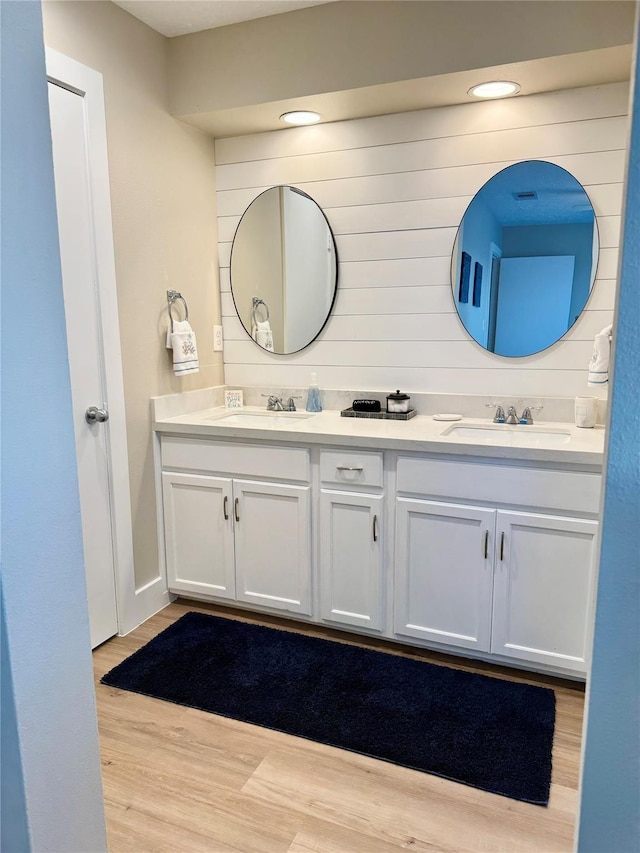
542	588
350	558
198	534
444	572
273	550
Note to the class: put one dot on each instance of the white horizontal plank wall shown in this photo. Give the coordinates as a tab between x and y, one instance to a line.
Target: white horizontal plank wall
394	189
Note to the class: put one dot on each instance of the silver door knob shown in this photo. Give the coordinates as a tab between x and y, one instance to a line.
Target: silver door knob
94	415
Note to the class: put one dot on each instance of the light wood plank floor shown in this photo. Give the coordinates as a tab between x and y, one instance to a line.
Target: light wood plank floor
178	780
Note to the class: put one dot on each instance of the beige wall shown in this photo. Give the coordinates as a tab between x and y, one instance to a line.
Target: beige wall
164	224
351	45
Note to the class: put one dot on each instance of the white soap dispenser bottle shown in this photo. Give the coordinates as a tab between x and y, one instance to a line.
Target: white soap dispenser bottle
314	402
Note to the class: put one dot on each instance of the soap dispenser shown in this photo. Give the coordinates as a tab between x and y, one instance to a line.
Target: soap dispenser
314	403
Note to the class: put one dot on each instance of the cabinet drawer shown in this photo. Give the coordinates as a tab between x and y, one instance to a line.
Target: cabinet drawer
569	491
346	468
247	460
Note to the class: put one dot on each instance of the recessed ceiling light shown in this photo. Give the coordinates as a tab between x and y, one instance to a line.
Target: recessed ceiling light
301	117
495	89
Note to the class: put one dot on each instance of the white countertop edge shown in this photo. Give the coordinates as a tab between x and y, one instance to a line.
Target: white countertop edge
419	434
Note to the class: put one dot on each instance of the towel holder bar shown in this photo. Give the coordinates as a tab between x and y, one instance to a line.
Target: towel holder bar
256	303
172	296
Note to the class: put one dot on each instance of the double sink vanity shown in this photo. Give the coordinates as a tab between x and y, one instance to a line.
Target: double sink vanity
469	537
465	536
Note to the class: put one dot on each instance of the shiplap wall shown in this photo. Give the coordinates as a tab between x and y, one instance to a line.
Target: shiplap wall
394	189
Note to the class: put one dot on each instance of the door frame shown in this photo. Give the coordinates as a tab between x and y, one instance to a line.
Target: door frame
88	84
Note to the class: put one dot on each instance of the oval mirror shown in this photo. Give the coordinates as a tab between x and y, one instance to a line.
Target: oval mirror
284	270
524	259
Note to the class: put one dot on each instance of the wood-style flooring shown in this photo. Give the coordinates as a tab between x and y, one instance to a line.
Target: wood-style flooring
178	780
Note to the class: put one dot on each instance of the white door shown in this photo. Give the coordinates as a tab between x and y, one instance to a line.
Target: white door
84	337
350	558
198	529
273	545
444	572
542	589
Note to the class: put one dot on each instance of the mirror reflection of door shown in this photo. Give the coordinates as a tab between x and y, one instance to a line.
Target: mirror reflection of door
532	229
534	299
284	257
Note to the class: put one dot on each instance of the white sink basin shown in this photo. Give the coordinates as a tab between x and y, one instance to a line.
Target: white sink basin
259	419
514	436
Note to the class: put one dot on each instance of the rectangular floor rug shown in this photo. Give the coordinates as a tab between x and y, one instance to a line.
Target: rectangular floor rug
482	731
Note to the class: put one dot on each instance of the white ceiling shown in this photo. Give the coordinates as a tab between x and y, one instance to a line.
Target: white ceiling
178	17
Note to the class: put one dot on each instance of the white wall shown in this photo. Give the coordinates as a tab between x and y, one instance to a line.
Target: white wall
394	189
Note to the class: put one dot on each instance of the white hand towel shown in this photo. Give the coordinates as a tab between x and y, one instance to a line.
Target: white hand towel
599	364
185	351
262	335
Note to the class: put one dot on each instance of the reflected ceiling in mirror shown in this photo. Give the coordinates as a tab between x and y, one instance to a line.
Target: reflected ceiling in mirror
524	259
284	270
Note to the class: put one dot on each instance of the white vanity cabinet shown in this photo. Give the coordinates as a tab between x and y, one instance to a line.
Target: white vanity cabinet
272	542
198	534
515	584
542	587
351	538
230	537
443	573
478	555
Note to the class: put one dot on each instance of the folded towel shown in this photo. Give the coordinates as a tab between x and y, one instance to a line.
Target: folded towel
185	351
599	364
262	335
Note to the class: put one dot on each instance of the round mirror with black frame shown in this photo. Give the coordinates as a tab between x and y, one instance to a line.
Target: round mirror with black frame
524	259
284	270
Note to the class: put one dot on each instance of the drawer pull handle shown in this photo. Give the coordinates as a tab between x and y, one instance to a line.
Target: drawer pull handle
225	509
375	528
486	544
236	510
347	468
502	545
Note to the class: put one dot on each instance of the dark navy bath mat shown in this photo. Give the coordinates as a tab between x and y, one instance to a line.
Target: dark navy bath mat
485	732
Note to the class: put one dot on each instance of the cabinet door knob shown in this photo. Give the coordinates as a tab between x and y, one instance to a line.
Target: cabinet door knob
225	510
375	528
502	545
236	510
486	544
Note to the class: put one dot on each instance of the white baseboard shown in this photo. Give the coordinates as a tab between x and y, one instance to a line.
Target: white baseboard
150	599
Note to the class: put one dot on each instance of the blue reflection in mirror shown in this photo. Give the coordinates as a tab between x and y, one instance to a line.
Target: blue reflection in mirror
528	247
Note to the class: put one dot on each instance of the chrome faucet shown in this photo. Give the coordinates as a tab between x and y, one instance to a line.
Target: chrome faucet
498	418
512	415
291	406
526	417
274	404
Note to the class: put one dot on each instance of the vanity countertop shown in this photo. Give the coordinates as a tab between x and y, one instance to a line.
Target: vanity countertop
545	441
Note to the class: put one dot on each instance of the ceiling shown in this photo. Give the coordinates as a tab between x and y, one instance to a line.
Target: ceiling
554	73
178	17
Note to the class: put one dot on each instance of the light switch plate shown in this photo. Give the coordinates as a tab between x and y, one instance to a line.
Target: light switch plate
217	338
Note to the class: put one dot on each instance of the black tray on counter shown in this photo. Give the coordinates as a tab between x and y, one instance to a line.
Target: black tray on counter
387	416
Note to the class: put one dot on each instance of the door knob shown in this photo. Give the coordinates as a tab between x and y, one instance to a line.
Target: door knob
94	415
